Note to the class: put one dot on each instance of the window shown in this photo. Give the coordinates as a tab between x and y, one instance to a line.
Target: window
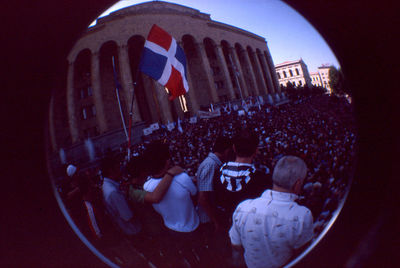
279	75
284	74
291	73
89	91
219	84
86	92
84	114
297	72
88	112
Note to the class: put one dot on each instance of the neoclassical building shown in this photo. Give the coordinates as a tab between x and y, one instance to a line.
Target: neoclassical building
316	79
324	74
224	63
295	72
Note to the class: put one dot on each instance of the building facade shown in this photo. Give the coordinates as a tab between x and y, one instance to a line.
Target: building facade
224	63
316	79
295	72
324	74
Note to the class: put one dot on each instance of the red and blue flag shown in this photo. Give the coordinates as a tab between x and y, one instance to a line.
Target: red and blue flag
164	61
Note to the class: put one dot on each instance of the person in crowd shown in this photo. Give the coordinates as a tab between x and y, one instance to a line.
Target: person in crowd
205	174
270	229
239	179
209	228
176	207
114	199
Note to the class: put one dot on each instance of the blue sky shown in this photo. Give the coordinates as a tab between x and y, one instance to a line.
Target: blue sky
288	34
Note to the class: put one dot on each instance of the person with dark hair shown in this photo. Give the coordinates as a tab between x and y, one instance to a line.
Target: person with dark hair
210	225
138	197
205	174
176	208
114	199
270	229
239	179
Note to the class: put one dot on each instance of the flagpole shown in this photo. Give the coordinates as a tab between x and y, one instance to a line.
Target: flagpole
131	112
117	87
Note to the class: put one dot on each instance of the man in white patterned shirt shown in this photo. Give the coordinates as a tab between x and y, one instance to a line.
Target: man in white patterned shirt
269	229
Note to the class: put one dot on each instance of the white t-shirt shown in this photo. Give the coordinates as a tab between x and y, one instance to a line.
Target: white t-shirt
176	207
270	227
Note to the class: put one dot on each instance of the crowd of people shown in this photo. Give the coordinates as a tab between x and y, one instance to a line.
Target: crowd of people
180	199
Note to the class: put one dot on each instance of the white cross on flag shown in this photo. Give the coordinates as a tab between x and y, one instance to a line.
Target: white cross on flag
164	60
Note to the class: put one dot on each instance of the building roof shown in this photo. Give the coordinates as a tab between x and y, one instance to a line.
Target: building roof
288	63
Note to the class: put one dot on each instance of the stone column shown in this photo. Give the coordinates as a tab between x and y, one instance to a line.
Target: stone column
259	72
252	75
271	88
162	102
127	84
272	69
222	63
72	120
236	63
192	103
97	94
207	69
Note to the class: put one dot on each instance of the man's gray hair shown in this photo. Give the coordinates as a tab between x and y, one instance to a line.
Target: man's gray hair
288	170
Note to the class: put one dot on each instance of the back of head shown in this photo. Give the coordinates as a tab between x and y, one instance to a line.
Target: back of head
136	166
288	170
221	144
156	155
246	143
110	164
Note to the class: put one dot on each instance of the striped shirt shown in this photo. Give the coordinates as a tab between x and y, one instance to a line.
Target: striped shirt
236	182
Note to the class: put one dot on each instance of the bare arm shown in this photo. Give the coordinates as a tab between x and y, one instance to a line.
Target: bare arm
157	195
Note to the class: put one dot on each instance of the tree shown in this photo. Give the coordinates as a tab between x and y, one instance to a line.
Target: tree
336	81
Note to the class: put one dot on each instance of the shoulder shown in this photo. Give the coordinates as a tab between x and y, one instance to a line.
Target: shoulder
182	177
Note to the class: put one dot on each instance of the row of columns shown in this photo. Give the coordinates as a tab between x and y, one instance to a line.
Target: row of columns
262	79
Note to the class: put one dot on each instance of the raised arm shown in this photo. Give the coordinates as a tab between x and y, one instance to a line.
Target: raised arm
157	195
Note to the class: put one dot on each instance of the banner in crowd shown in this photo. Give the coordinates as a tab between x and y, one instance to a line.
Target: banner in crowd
154	126
164	61
193	120
147	131
170	126
203	114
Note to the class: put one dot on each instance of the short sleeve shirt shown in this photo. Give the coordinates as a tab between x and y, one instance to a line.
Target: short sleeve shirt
205	176
136	195
205	172
118	207
270	227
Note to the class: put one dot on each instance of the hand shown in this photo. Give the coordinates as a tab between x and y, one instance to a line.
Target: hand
175	170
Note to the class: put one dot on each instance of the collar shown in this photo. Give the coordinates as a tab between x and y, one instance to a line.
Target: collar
279	196
115	183
215	158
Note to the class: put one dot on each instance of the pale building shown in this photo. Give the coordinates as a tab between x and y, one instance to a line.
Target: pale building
324	74
316	79
295	72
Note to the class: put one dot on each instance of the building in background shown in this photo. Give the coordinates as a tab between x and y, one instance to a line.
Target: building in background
224	63
295	72
316	79
324	75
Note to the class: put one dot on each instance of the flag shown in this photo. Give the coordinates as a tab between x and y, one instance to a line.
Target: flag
164	61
